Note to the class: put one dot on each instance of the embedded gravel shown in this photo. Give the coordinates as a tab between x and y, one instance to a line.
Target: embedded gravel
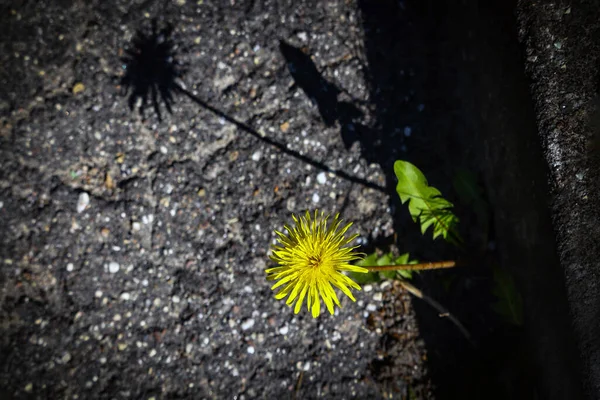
133	249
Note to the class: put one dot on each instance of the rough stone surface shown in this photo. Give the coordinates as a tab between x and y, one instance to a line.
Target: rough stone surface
563	60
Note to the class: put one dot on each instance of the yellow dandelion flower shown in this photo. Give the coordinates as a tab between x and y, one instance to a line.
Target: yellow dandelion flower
311	258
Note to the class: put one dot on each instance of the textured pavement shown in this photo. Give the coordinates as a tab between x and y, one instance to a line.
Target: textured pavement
133	249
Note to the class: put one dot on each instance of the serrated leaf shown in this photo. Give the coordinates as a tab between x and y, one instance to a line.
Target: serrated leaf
385	259
369	260
405	259
369	277
363	279
509	304
405	273
425	203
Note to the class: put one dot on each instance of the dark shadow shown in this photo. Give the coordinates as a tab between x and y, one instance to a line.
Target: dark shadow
280	146
447	85
152	72
322	93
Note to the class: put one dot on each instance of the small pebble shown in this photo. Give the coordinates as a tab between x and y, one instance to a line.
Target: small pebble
66	358
250	350
69	267
125	296
315	198
82	202
113	267
407	131
78	88
284	330
322	178
378	296
176	299
98	293
256	156
247	324
29	387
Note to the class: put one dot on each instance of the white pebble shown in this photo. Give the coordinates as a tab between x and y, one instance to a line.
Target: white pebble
250	350
83	202
284	330
367	288
407	131
315	198
378	296
163	149
98	293
113	267
175	299
247	324
125	296
322	178
69	267
136	226
371	307
256	156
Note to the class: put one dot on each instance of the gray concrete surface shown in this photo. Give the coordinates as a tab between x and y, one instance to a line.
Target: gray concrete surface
133	250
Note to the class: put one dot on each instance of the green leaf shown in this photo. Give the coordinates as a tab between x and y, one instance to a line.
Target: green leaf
405	259
363	279
369	277
386	259
425	203
369	260
509	304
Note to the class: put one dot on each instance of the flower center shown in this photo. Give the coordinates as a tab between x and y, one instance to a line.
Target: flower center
314	261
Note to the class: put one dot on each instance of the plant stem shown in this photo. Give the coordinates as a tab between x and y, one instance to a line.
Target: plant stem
412	267
442	311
